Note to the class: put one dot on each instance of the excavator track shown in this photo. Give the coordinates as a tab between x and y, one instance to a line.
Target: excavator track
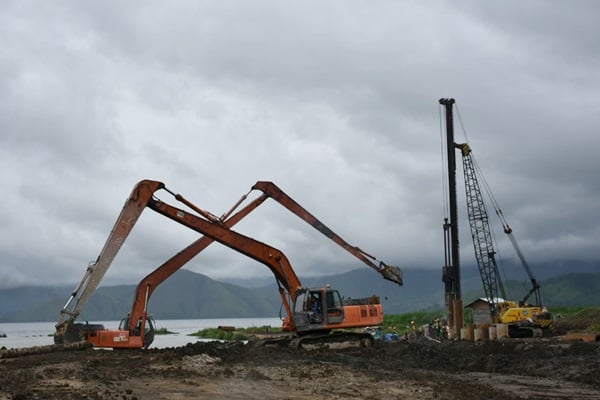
313	340
334	339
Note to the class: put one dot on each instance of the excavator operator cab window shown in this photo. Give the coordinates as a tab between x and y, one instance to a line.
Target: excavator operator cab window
124	324
314	306
333	299
300	304
335	308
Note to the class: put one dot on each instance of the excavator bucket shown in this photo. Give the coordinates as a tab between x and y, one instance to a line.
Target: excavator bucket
391	273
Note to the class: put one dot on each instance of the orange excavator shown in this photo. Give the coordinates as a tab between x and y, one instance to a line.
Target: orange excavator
310	312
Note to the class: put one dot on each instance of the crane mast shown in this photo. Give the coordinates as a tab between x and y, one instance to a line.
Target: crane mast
451	269
522	318
480	232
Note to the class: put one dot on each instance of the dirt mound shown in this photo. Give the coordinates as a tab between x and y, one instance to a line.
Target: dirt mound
585	320
418	369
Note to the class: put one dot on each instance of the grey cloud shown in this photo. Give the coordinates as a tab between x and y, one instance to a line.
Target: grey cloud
336	102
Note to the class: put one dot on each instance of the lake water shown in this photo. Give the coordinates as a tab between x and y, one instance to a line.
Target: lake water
27	334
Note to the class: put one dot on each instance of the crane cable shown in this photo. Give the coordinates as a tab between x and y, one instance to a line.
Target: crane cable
486	186
494	202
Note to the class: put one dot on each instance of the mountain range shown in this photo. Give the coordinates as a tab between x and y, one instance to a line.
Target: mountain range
189	295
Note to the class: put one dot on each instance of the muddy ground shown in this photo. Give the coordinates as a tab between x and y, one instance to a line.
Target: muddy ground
420	369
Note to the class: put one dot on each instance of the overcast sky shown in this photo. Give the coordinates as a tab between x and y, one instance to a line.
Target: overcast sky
336	102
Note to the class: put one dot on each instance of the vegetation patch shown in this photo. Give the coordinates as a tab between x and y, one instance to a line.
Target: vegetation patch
220	334
164	331
578	319
232	333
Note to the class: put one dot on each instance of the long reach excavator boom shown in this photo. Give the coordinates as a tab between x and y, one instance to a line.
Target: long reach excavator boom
137	330
388	272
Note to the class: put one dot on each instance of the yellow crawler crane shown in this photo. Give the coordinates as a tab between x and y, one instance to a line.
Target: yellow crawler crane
523	319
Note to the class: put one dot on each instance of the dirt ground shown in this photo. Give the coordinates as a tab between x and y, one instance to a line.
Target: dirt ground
420	369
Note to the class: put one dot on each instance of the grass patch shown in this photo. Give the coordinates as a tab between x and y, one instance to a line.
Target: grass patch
562	312
216	333
163	331
261	329
580	318
594	327
235	333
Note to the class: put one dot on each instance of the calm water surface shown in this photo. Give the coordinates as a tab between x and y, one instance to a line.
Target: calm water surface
27	334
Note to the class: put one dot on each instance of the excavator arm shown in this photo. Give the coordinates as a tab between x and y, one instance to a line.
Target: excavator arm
214	228
147	285
271	257
142	196
134	205
333	314
269	190
388	272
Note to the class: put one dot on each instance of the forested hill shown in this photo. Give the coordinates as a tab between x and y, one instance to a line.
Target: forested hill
191	295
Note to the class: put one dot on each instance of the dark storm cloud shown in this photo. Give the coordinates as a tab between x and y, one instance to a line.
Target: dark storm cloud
336	102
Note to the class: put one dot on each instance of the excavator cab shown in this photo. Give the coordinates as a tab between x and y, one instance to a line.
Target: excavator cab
148	326
317	308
